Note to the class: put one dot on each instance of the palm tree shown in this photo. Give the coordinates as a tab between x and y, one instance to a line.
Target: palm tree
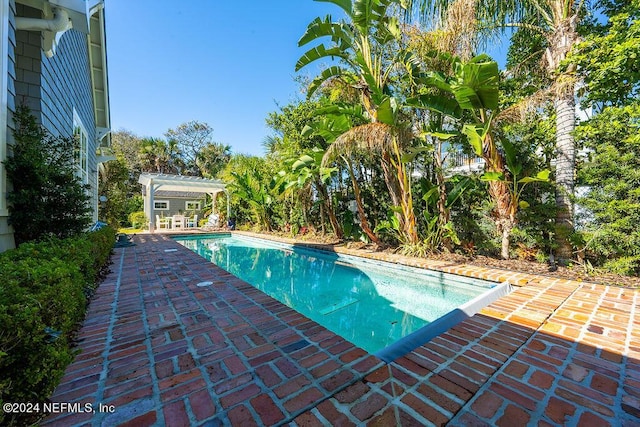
557	21
366	46
212	158
160	156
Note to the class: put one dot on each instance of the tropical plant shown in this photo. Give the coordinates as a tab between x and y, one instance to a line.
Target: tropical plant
112	184
250	186
306	170
611	201
366	45
300	152
474	86
212	158
334	123
608	59
557	21
160	156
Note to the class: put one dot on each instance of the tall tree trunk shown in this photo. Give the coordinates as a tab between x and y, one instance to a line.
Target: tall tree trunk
504	214
408	223
364	223
328	208
561	40
565	171
505	210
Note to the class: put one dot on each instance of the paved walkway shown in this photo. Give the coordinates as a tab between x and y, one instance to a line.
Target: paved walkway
156	349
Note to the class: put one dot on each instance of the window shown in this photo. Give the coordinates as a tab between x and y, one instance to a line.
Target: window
81	149
192	206
161	205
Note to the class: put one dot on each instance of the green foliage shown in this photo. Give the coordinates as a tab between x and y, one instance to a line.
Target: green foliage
138	219
612	175
43	294
212	158
47	198
189	139
113	186
609	58
253	191
435	234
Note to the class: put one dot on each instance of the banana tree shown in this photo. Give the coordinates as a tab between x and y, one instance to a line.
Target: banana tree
474	86
366	46
557	21
515	182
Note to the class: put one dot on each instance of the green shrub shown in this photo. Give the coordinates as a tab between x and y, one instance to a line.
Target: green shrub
138	219
43	297
47	197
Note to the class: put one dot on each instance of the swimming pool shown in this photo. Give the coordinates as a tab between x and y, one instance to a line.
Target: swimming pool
381	307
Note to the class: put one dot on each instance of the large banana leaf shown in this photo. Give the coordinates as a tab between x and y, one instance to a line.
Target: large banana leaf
513	165
387	111
367	13
352	110
329	127
476	135
476	85
338	31
326	74
342	4
319	52
438	103
542	176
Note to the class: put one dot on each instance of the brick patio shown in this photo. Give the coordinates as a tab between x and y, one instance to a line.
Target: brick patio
163	351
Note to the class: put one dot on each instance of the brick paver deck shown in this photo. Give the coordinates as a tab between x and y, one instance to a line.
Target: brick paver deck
156	349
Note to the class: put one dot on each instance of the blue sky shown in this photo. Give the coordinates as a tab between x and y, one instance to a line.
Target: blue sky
223	63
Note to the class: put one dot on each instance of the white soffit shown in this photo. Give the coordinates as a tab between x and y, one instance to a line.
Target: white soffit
167	182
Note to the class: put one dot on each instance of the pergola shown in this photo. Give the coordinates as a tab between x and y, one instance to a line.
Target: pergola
158	181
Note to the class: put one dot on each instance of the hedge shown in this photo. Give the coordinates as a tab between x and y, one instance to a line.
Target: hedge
44	290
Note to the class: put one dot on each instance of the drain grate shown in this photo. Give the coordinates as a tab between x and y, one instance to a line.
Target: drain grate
171	250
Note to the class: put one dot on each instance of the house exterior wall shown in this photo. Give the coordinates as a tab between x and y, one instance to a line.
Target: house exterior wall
7	104
177	206
56	90
66	88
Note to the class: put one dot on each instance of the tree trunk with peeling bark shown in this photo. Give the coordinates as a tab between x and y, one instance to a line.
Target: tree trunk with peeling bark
328	208
364	223
505	211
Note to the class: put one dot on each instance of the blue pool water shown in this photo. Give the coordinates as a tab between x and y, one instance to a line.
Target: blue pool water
372	304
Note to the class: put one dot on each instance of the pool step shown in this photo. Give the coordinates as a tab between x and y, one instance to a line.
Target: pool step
338	305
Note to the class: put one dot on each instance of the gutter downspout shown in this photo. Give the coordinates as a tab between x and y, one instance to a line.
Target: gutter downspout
58	25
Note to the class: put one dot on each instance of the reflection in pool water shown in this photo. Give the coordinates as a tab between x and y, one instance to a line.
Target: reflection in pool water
370	304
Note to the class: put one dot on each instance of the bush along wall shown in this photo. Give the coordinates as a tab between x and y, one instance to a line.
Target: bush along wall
44	290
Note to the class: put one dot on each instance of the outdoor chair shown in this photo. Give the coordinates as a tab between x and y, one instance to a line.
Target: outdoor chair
178	221
212	222
162	222
192	222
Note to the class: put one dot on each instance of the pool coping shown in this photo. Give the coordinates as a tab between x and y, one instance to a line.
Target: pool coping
554	351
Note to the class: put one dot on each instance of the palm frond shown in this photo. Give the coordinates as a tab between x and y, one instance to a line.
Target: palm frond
370	137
